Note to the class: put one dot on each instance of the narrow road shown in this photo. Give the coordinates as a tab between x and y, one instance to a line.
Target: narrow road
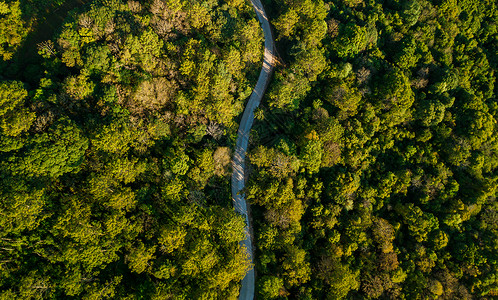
238	175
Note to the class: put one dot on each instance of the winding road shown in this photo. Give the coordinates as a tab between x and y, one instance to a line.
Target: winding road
238	175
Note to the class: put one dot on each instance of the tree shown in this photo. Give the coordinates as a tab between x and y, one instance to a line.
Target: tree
139	256
351	40
114	138
338	277
396	97
59	151
270	287
286	23
411	12
251	37
420	223
384	234
296	267
12	27
14	117
344	97
79	87
21	208
311	156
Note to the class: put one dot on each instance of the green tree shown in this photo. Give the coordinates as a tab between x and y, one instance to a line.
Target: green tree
12	27
59	151
339	278
14	117
270	287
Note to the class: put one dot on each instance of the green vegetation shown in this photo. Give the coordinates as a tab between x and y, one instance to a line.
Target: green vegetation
375	158
115	150
12	27
373	161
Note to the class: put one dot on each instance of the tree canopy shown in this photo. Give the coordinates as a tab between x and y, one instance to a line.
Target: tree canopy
372	165
375	154
115	149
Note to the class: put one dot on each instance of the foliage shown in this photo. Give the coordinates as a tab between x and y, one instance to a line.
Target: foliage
12	27
114	178
392	131
373	163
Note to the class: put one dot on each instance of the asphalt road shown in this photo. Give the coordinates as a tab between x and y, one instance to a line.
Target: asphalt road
238	175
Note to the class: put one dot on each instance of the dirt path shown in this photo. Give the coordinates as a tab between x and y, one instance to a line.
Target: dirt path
238	175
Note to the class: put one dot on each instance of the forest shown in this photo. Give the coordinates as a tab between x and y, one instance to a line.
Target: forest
375	152
373	160
116	139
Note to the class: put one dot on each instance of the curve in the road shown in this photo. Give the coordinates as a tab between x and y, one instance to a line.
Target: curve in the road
238	175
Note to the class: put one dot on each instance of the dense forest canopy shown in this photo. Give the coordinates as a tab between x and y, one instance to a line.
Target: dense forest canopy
376	155
115	148
373	161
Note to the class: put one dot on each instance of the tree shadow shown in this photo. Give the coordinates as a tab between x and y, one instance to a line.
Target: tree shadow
44	19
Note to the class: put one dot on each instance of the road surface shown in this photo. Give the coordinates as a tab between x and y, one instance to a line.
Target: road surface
238	175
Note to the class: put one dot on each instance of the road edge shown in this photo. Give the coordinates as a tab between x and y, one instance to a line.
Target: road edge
247	289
